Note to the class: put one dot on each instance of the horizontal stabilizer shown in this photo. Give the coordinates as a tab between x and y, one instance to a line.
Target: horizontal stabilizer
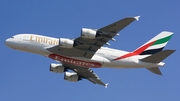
158	57
155	70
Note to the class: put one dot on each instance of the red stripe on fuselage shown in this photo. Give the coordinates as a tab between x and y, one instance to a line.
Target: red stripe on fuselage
77	62
136	52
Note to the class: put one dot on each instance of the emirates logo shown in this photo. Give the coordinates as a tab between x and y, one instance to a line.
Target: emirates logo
77	62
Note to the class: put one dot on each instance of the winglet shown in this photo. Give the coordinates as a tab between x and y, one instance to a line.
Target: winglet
106	85
137	18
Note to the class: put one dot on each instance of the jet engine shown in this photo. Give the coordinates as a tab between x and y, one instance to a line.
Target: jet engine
89	33
73	77
66	43
57	68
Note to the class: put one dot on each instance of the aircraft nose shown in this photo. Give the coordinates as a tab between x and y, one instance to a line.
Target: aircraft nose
7	42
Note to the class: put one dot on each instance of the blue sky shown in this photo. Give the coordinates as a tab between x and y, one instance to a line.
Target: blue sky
26	76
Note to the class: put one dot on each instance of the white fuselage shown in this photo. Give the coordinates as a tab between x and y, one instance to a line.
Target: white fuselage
104	57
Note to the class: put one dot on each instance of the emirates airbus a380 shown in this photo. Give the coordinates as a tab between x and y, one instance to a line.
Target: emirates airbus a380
85	52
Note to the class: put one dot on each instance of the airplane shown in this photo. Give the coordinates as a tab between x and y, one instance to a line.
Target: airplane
85	52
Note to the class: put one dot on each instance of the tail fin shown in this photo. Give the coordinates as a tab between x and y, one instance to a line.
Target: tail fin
154	45
154	48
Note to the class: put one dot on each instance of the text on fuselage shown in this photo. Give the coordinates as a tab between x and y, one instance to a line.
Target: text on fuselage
44	40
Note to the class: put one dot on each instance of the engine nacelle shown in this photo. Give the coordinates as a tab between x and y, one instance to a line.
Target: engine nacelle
73	77
57	68
66	43
88	33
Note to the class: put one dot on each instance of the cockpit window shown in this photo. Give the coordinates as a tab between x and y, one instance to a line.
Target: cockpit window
12	37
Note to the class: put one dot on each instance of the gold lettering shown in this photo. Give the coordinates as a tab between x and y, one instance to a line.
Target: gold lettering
32	38
38	39
47	40
54	42
42	40
57	42
50	41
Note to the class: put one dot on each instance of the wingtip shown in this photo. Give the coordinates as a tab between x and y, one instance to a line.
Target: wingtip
106	85
137	18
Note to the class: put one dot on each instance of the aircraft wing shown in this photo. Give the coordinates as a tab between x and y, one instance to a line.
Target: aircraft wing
86	73
119	25
87	47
